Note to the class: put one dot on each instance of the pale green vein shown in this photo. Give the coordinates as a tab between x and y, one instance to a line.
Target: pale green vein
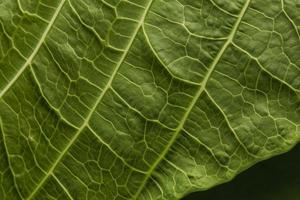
140	113
35	51
296	90
63	187
86	121
113	151
8	161
194	101
160	60
289	18
230	127
210	150
221	9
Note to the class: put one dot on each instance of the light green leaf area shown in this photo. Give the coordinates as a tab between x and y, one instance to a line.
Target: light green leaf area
143	99
277	178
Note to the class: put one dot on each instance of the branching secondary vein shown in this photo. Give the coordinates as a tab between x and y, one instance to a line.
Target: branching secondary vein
35	51
192	104
85	123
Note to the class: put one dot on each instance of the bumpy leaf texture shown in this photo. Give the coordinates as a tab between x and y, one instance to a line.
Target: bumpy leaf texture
143	99
277	178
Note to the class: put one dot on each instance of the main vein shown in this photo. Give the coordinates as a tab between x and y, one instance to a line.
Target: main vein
194	101
35	51
86	121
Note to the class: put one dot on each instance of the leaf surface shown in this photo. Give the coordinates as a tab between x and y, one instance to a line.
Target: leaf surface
277	178
143	99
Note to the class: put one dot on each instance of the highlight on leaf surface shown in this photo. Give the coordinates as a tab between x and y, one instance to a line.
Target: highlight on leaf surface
143	99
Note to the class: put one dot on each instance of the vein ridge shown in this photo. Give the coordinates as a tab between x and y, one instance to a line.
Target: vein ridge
86	122
193	102
35	51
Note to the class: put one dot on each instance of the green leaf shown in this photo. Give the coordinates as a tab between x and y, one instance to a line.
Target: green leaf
276	179
143	99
